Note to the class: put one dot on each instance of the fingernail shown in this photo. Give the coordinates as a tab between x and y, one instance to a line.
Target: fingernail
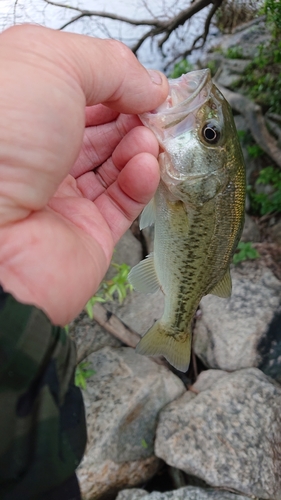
155	76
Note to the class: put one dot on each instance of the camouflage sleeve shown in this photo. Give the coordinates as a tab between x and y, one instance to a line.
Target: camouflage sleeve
42	421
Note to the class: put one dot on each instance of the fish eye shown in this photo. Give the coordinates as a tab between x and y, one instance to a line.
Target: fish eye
211	133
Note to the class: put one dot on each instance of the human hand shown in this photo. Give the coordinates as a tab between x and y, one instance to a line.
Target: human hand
68	191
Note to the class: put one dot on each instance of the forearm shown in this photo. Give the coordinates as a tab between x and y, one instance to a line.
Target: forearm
42	423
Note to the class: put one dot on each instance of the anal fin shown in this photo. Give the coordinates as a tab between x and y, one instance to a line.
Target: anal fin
223	287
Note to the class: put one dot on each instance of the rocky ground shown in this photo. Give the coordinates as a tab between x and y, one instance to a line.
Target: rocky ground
157	435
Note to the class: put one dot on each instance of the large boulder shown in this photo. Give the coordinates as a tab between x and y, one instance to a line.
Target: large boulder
235	333
186	493
226	431
123	399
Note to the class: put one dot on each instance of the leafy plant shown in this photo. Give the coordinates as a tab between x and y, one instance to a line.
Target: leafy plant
246	139
116	286
264	203
242	134
212	67
181	68
234	53
82	373
272	10
90	304
255	150
245	251
261	80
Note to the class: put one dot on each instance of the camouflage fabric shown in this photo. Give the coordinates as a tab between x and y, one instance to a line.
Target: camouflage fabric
42	421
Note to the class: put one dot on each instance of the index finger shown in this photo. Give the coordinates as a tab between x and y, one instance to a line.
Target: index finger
106	70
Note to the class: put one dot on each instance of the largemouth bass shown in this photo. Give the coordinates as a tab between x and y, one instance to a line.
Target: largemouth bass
198	210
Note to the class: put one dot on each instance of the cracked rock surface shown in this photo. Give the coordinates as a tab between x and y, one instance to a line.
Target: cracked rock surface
123	399
235	333
186	493
229	434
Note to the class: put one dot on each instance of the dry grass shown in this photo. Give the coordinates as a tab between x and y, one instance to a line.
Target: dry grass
232	13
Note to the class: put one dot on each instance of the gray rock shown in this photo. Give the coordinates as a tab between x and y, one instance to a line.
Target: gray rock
139	311
229	331
89	336
230	71
275	232
249	39
132	494
122	401
251	231
128	250
186	493
229	434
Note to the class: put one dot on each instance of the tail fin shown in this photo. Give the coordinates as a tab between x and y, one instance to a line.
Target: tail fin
160	341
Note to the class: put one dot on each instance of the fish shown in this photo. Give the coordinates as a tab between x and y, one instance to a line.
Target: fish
197	211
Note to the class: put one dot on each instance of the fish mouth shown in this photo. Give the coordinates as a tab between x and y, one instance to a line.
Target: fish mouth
184	90
187	93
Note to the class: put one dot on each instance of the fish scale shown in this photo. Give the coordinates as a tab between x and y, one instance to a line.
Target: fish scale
198	211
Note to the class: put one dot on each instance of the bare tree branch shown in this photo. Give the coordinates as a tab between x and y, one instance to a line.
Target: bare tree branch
15	10
184	16
157	26
108	15
72	20
203	36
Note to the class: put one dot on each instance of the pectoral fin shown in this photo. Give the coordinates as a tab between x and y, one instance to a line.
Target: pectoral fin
160	341
223	288
143	276
148	215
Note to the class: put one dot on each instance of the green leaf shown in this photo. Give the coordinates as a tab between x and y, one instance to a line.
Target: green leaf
245	251
181	68
144	443
82	373
118	285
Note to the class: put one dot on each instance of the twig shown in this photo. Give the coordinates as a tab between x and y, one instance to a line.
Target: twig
202	36
183	16
115	326
15	10
109	15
